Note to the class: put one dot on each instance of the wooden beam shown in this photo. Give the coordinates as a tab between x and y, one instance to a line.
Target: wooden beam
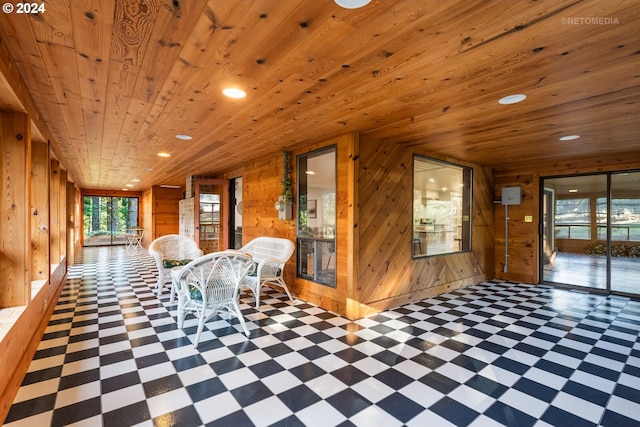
15	171
39	213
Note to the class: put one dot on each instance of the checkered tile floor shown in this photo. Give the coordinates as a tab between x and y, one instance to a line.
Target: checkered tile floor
494	354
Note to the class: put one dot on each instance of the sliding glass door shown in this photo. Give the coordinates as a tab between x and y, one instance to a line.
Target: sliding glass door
591	232
625	232
107	219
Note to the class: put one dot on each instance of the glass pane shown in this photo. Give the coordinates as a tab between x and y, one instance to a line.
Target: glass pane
625	232
316	225
107	219
441	208
209	216
577	254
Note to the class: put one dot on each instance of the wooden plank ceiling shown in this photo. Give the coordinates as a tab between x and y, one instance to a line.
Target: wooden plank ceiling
116	80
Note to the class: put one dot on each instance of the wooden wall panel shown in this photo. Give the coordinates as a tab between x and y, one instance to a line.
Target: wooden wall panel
73	222
62	214
15	169
54	212
523	239
146	207
40	211
20	342
261	185
375	269
165	213
388	275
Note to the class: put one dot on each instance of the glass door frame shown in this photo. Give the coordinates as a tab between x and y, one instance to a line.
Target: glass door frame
224	208
111	195
609	271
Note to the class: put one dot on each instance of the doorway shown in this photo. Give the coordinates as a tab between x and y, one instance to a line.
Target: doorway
590	234
107	219
235	237
212	214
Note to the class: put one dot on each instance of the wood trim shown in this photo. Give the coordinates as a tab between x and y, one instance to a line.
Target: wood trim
353	241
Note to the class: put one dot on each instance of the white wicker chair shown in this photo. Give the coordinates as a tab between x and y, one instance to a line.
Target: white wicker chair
210	285
270	254
171	247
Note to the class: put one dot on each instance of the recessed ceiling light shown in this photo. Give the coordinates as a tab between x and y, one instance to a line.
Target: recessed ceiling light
569	137
125	189
184	137
352	4
129	185
148	169
573	190
170	186
310	172
512	99
233	92
163	154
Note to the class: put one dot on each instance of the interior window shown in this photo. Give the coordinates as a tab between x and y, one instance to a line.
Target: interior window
441	207
316	216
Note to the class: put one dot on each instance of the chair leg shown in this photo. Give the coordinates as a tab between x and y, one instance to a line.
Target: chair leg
173	292
201	321
181	315
286	289
256	294
159	285
238	314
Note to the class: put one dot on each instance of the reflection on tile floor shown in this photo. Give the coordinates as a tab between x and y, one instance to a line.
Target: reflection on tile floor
493	354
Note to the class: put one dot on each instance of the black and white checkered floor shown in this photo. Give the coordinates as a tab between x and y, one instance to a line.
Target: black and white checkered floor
494	354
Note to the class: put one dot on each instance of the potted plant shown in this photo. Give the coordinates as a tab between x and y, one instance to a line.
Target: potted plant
284	205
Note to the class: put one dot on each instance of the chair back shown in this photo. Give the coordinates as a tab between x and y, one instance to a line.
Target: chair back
214	278
174	246
274	248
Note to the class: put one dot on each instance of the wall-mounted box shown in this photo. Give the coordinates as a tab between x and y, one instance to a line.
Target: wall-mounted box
511	195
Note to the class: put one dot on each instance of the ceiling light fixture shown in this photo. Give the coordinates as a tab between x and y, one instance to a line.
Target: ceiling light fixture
512	99
163	154
569	137
352	4
135	180
310	172
233	92
184	137
573	191
170	186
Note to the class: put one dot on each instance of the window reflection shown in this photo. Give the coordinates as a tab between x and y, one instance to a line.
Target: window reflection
441	207
317	216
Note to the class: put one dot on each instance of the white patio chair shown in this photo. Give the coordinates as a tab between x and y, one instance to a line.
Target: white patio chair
270	255
171	251
209	285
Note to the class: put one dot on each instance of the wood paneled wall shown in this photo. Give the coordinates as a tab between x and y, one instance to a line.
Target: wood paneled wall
30	281
524	243
165	208
375	269
261	185
388	276
146	207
